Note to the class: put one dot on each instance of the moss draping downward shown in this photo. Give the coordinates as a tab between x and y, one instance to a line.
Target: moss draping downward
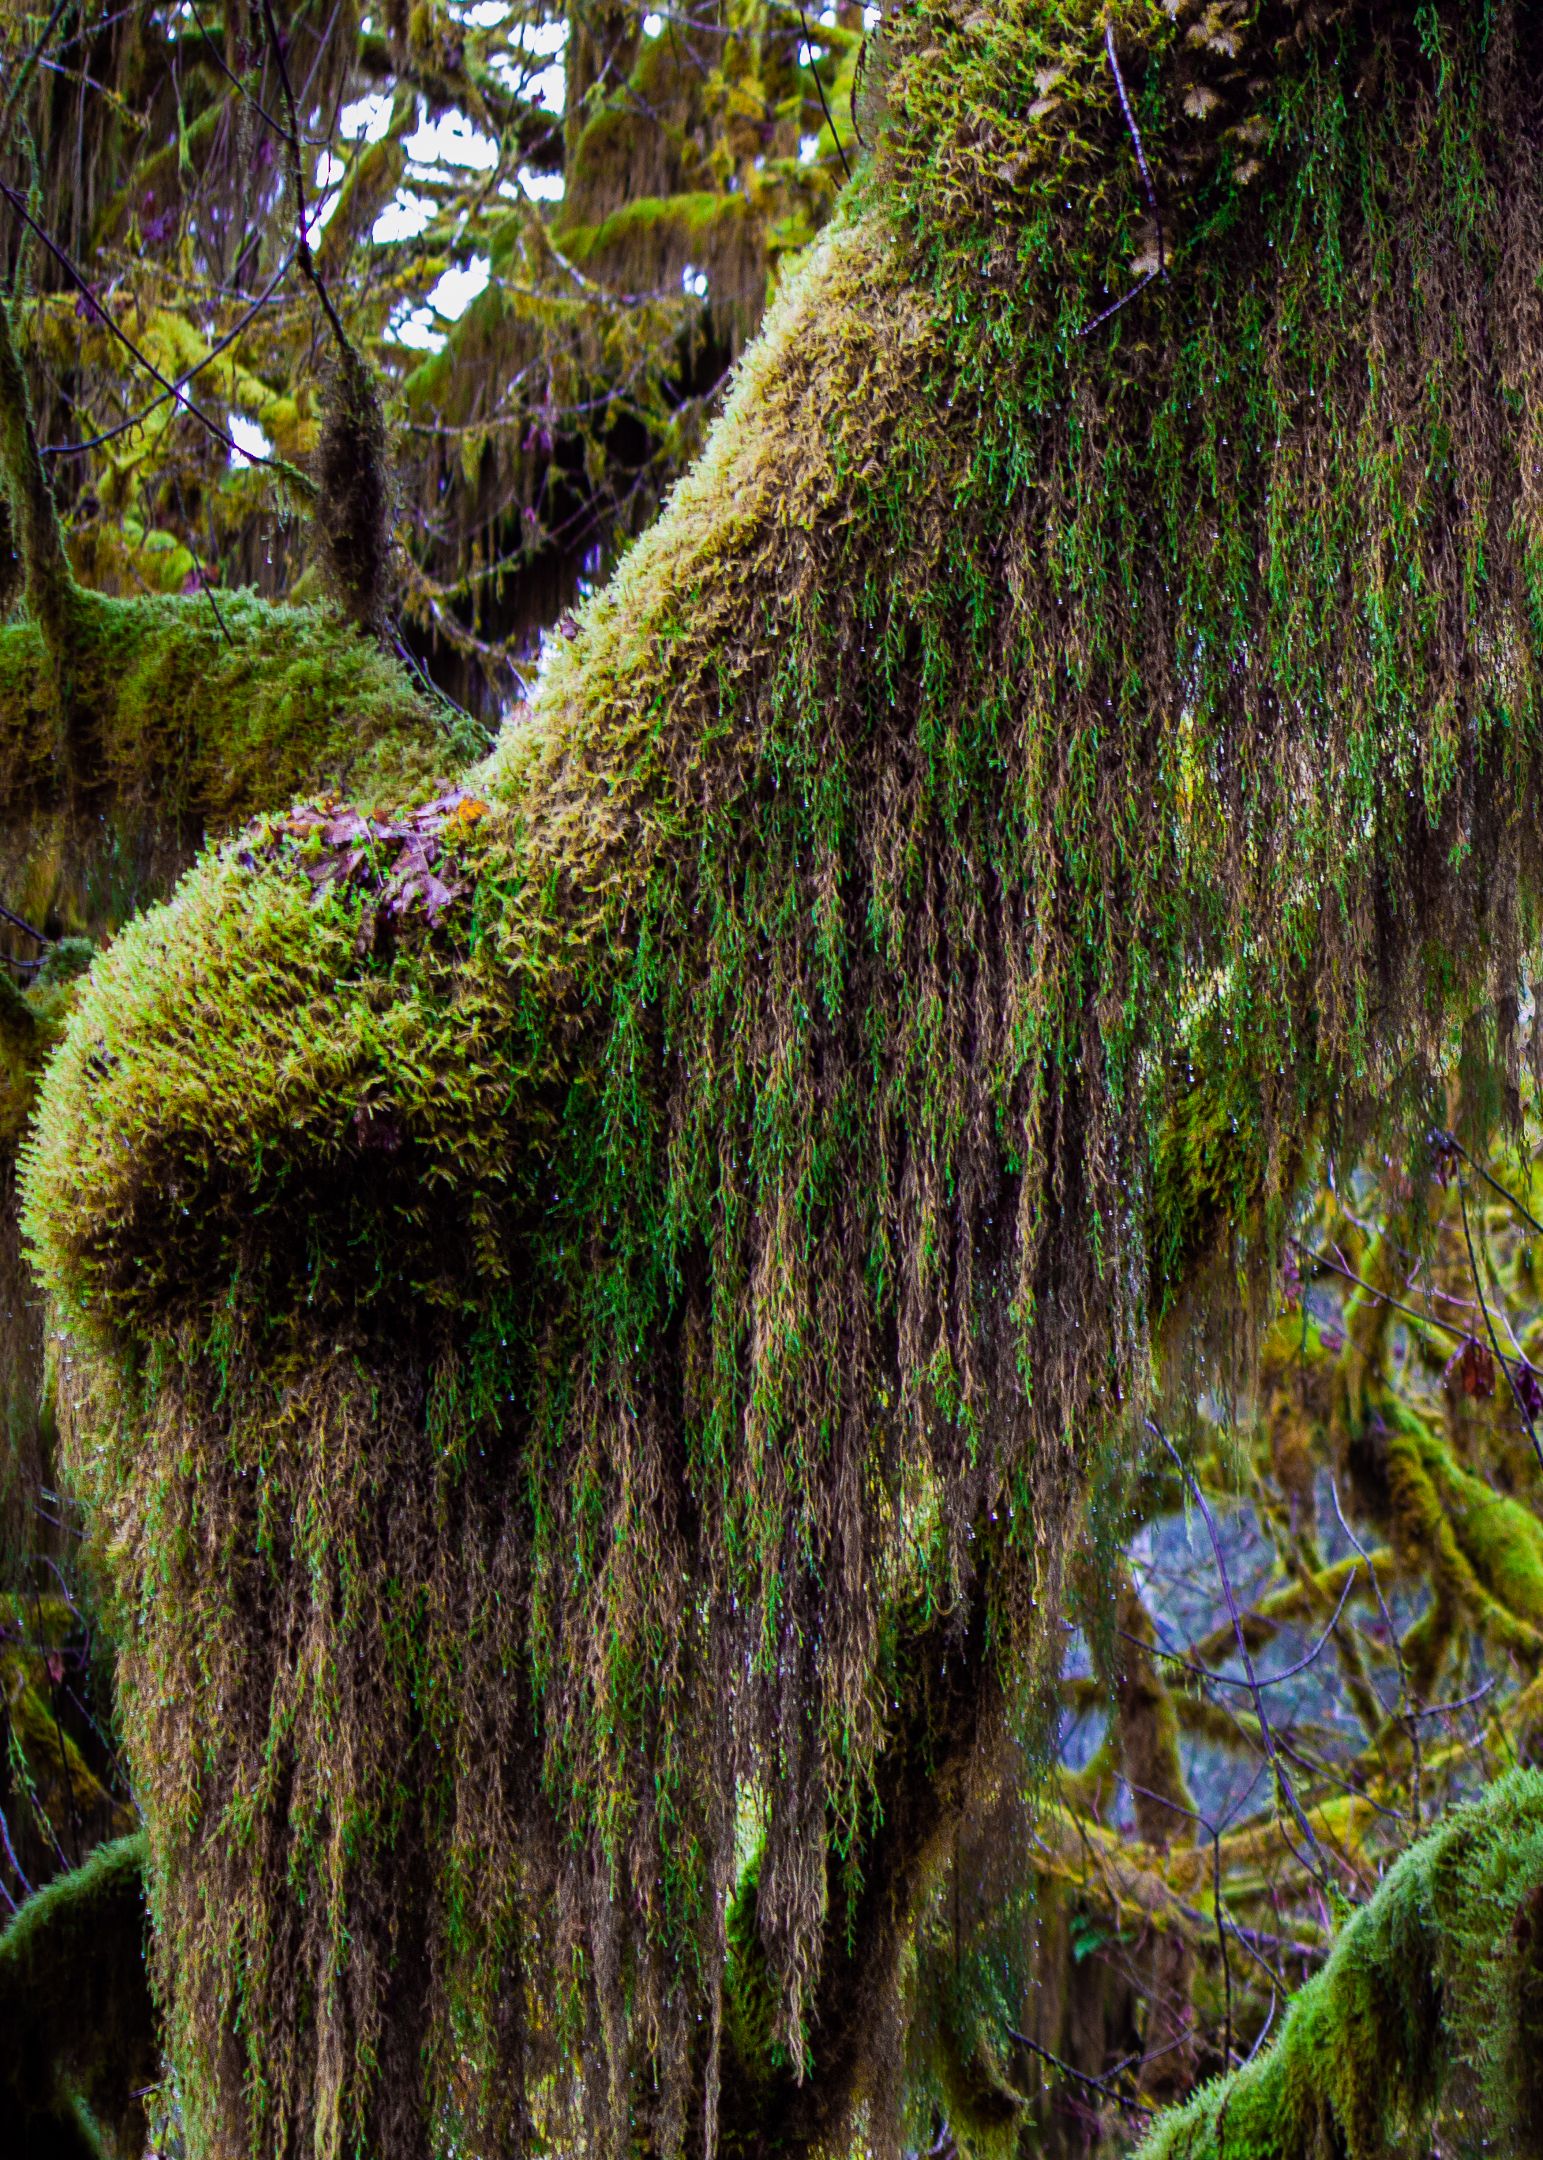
192	712
523	1353
1432	1997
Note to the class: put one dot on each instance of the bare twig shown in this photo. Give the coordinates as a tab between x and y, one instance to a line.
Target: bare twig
138	419
820	87
1283	1780
1494	1340
1080	2077
1161	269
1263	2033
857	82
1253	1684
19	922
211	426
234	79
1410	1312
1396	1644
1449	1140
303	255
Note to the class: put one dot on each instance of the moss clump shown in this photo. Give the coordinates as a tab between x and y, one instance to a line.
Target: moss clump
523	1359
1432	1998
78	2042
218	720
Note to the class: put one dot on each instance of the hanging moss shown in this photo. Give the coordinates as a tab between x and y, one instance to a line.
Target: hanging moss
1432	1999
354	505
539	1308
191	711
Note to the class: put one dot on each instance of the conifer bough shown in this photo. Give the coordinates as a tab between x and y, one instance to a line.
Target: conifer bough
583	1386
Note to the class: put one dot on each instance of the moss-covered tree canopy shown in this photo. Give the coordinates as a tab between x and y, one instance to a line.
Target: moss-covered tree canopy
585	1308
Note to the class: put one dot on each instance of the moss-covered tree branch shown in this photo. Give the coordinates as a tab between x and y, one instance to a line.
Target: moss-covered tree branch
544	1289
78	2038
1431	1999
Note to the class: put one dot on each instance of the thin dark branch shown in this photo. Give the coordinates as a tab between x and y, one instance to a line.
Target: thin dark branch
1494	1339
138	419
857	83
1213	1831
303	255
1397	1647
1269	2020
196	411
1221	1941
1463	1702
205	585
1081	2077
10	1854
19	922
1410	1312
820	87
234	79
1252	1684
1115	307
1319	1872
1450	1140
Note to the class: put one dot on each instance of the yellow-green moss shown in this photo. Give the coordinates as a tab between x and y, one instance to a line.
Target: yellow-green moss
1034	769
1432	1996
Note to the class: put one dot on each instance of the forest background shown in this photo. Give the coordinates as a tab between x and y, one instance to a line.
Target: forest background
1310	1619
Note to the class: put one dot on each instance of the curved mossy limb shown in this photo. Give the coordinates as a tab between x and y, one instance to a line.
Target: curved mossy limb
1432	1998
527	1345
78	2039
193	713
194	719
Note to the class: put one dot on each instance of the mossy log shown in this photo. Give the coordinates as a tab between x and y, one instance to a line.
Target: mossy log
189	713
548	1285
193	713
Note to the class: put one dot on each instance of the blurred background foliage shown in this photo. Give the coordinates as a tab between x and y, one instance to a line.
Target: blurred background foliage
551	229
1312	1618
1310	1623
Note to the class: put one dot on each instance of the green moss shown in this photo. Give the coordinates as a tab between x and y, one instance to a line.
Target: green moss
1035	770
1432	1996
1484	1551
192	720
651	236
78	2042
220	721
